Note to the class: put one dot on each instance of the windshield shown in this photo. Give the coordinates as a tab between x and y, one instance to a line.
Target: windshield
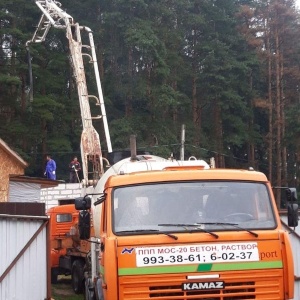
182	206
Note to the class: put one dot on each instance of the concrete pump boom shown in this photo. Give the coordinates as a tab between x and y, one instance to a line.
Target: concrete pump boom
54	16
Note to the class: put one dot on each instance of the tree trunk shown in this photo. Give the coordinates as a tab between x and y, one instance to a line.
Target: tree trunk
282	117
251	147
218	134
196	111
175	109
128	100
278	115
270	100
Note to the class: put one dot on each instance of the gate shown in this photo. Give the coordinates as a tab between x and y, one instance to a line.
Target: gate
24	252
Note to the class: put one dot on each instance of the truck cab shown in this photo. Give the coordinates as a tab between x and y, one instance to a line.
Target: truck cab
189	232
193	233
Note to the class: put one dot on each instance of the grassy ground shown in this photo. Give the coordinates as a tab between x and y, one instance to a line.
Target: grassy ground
63	290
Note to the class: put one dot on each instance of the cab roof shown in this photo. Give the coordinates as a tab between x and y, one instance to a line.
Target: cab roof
185	174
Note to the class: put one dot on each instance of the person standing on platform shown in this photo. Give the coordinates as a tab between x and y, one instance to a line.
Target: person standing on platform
74	167
50	171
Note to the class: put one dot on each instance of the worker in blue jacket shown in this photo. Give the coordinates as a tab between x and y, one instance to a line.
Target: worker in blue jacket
50	171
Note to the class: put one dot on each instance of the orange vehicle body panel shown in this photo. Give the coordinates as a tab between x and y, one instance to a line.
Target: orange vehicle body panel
182	174
266	273
60	236
64	235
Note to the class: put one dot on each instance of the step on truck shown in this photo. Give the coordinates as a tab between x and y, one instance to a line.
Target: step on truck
170	230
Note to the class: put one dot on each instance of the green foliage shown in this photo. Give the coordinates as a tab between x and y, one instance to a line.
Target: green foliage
7	80
59	143
163	64
63	290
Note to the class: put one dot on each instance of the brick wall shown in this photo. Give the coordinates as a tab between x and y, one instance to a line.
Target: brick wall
63	191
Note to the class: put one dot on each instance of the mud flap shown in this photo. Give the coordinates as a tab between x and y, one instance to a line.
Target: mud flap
89	293
99	290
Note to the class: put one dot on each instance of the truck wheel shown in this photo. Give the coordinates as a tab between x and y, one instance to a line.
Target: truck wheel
54	274
77	276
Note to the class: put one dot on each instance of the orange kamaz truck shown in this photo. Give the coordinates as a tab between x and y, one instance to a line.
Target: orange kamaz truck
189	232
68	251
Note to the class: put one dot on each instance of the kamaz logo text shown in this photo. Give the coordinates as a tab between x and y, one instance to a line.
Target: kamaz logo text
202	285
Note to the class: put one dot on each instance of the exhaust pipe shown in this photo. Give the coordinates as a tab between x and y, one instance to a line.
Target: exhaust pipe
133	156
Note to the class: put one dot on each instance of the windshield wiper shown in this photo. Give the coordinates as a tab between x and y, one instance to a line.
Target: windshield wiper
230	224
190	226
149	231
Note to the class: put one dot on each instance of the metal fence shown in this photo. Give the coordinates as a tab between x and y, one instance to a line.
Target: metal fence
24	252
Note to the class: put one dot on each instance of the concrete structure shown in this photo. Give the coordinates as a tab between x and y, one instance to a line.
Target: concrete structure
11	163
63	192
28	189
50	192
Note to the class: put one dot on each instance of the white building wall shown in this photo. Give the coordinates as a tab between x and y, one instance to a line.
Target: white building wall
30	192
50	196
24	192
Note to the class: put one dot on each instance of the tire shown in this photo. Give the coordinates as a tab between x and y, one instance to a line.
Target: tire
77	274
54	274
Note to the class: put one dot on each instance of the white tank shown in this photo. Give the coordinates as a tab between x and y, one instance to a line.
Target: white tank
125	166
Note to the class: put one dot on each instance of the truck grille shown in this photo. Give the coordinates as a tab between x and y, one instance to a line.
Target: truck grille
228	293
238	285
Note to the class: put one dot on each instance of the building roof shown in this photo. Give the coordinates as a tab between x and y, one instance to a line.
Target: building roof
13	154
44	182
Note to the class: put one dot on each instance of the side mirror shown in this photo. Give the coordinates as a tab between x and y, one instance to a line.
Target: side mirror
291	194
83	203
292	207
292	214
84	225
